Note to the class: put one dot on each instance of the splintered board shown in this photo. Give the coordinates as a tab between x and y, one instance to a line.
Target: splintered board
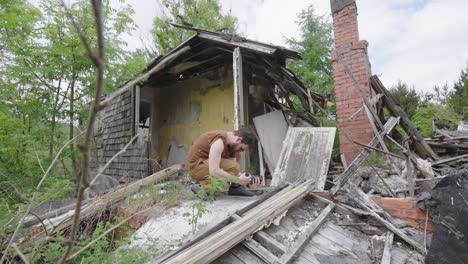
271	129
305	155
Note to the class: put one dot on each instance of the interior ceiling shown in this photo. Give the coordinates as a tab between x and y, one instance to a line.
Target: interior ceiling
203	56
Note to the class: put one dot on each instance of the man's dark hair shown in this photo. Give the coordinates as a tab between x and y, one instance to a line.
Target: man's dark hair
248	137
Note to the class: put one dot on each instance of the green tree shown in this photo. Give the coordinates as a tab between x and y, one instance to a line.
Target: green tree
406	97
315	45
45	82
206	14
458	97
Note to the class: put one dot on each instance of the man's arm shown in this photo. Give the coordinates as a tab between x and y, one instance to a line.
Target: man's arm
214	159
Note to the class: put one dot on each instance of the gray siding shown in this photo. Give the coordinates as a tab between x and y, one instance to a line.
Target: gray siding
111	133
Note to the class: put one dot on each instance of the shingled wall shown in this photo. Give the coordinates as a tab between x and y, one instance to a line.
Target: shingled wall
111	133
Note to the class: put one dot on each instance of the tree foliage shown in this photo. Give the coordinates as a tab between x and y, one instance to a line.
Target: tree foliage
315	45
458	98
206	14
45	85
406	97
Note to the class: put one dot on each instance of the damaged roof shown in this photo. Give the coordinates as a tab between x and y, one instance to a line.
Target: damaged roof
209	49
230	40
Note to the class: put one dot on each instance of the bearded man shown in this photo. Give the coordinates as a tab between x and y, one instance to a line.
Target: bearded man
216	153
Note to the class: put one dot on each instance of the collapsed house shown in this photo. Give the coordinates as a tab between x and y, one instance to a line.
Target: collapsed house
313	212
211	81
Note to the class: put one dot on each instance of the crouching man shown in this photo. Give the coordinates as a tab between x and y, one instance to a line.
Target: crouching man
215	154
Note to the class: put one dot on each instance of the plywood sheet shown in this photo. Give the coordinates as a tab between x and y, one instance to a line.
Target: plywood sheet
271	129
305	155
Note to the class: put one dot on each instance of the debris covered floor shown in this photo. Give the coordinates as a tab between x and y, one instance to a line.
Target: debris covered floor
339	240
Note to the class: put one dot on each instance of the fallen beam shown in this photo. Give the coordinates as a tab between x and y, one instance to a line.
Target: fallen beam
421	146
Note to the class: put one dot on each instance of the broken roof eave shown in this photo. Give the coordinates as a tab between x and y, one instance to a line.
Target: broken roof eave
236	41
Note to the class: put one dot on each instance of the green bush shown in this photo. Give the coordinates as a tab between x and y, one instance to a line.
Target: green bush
442	117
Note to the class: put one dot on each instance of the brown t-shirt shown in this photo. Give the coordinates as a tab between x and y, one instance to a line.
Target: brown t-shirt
201	148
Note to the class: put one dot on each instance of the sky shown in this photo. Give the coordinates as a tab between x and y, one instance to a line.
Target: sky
421	42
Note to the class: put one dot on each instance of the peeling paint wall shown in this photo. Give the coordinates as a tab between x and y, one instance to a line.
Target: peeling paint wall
184	110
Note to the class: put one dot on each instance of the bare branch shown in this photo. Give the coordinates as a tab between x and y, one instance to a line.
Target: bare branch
81	34
39	161
33	198
112	159
42	223
98	61
22	256
105	233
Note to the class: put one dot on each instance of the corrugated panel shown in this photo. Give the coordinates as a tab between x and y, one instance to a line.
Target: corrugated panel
305	155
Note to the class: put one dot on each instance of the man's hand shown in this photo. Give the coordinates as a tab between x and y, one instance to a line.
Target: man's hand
244	178
256	181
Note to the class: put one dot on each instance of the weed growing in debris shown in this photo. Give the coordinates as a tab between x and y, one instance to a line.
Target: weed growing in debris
206	194
167	194
374	159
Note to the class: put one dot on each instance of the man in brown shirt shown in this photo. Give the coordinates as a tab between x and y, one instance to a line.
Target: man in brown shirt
214	154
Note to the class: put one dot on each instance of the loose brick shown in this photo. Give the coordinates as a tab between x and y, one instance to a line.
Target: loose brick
414	214
396	203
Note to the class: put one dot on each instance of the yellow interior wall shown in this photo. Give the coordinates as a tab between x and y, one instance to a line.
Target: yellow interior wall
174	106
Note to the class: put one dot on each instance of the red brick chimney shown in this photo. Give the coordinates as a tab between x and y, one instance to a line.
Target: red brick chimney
353	52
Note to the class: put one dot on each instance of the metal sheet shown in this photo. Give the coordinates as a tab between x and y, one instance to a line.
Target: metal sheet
305	155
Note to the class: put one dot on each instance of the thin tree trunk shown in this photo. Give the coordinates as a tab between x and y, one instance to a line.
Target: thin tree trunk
53	123
76	175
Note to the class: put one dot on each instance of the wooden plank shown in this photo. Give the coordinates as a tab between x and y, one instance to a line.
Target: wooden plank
242	253
221	241
387	253
229	258
239	121
352	168
260	161
421	146
305	155
379	150
271	129
308	233
270	242
449	160
410	172
260	251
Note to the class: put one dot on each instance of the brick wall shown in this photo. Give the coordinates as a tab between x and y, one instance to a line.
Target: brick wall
353	52
111	133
